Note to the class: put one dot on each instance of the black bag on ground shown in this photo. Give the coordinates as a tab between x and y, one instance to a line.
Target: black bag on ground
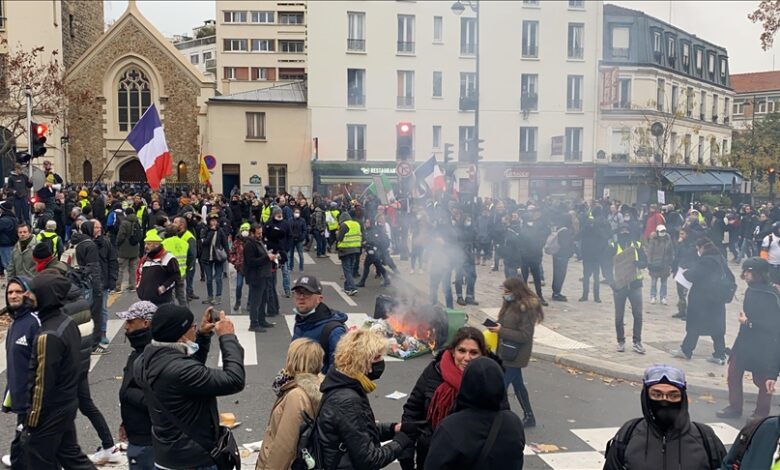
383	306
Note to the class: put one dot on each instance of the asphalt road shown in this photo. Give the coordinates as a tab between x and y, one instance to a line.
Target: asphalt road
575	411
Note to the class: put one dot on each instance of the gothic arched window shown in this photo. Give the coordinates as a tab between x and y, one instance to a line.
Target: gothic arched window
134	96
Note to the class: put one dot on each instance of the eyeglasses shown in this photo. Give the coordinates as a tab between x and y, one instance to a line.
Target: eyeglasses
657	395
657	373
302	293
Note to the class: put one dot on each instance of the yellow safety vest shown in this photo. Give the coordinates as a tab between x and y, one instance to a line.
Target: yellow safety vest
51	236
83	203
335	224
140	214
637	246
178	248
265	214
353	238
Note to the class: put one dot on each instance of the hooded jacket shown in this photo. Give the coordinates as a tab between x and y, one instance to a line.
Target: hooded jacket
124	248
350	437
280	441
8	225
757	347
311	327
18	350
278	237
188	390
660	254
87	254
22	263
133	406
109	265
343	229
459	439
54	365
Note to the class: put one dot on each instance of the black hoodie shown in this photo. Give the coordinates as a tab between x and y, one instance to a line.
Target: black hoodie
87	254
459	439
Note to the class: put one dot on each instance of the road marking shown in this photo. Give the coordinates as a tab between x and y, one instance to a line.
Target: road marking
546	336
573	460
247	339
112	328
341	293
307	259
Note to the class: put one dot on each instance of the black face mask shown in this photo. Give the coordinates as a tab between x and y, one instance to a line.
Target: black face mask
377	369
665	413
624	238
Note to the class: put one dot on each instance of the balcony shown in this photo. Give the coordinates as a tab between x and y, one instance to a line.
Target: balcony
405	102
620	53
529	102
356	100
531	52
211	65
528	156
358	45
356	155
468	103
576	52
405	47
573	156
467	49
574	105
620	157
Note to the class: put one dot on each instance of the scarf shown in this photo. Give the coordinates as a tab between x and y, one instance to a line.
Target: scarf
366	383
281	379
443	399
42	263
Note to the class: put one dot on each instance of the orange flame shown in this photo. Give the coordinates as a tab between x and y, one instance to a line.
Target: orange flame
406	325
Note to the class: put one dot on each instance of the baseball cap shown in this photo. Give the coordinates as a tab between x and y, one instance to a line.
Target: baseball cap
310	283
142	309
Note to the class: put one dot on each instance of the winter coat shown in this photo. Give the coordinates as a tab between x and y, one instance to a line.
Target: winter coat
298	229
208	253
162	269
256	257
653	221
278	237
18	185
706	315
280	441
685	255
188	390
8	225
757	347
660	254
459	439
132	403
18	349
517	328
534	235
311	326
109	266
761	451
682	447
22	263
124	248
318	220
87	255
594	235
347	422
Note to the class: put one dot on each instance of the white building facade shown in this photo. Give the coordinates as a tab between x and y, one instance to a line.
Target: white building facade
201	49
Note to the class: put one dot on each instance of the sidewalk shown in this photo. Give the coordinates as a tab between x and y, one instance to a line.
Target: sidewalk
582	334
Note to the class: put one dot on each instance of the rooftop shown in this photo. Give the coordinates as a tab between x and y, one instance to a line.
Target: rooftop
755	82
290	93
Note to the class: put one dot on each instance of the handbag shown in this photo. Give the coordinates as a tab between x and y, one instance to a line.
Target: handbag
220	255
508	350
225	452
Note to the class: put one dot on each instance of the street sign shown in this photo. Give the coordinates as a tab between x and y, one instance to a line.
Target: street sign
211	161
404	169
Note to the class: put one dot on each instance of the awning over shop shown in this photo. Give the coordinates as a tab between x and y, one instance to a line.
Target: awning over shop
683	180
352	172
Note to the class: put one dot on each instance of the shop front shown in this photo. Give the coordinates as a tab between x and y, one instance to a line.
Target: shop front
556	182
335	178
627	184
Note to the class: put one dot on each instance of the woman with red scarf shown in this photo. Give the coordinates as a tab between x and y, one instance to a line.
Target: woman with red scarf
433	397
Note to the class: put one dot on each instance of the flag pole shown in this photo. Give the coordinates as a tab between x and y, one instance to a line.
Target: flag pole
94	183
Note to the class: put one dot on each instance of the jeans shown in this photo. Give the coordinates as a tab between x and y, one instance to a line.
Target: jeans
466	274
129	266
286	278
514	376
22	209
322	244
718	343
297	246
93	414
607	269
140	457
5	256
258	301
510	270
590	268
271	299
654	285
417	255
560	264
747	249
104	319
441	276
634	296
191	281
348	267
534	268
96	313
735	375
682	299
213	273
239	287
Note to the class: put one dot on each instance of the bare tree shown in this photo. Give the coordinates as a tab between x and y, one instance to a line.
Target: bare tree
768	14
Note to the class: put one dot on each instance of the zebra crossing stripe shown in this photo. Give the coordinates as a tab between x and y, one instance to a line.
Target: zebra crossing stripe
247	339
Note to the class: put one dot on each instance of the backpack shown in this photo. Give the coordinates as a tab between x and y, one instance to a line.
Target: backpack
136	234
79	277
744	438
69	257
327	329
726	287
308	453
620	442
551	246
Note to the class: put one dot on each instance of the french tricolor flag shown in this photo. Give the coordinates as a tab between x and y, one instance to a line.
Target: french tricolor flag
429	175
148	139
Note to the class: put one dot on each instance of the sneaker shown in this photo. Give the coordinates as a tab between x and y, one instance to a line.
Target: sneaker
217	300
583	299
543	302
680	354
460	301
411	271
653	300
471	301
679	315
193	297
597	300
529	421
208	301
351	292
717	360
7	460
106	456
560	298
729	413
100	350
104	341
663	301
267	324
638	348
621	347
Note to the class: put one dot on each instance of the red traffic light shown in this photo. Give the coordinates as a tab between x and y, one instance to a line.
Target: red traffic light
404	128
40	130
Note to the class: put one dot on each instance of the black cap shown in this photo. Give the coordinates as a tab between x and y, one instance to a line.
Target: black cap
170	322
42	250
310	283
756	264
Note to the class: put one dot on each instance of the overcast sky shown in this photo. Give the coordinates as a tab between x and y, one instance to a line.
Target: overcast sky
724	23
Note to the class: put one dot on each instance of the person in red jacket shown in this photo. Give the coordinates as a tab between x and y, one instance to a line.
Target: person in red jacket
654	219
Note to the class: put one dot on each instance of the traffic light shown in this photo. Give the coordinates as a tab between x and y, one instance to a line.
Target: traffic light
447	153
476	149
38	146
404	140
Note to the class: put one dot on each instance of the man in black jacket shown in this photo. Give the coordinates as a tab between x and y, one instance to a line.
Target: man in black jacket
180	391
258	278
49	435
136	427
18	186
533	236
8	234
88	256
665	437
109	271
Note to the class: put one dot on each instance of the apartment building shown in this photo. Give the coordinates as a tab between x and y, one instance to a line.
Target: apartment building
200	48
378	67
756	94
260	44
665	110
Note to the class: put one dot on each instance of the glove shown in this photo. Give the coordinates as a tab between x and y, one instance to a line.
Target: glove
411	429
403	440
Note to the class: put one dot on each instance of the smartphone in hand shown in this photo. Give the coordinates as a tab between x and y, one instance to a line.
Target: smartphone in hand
210	315
489	323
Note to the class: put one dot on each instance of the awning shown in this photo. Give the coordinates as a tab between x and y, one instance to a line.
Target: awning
703	181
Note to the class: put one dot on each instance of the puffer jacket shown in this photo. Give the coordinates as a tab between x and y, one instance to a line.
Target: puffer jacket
132	403
109	265
682	447
87	255
188	390
300	395
347	422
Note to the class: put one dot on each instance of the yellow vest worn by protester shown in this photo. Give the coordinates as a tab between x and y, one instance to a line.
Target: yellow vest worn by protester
178	247
83	203
333	226
52	236
353	238
265	214
140	214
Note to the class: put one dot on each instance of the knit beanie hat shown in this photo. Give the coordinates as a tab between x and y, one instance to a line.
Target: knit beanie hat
170	322
42	250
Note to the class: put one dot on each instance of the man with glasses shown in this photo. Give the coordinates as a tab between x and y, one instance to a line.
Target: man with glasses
665	437
315	320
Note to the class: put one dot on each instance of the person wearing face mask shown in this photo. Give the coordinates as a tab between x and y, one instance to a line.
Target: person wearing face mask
259	277
757	347
278	238
136	427
298	232
315	320
158	272
180	390
665	437
350	437
660	255
628	289
465	269
236	258
770	251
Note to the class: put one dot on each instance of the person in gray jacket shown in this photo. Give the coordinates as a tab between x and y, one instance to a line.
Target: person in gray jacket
22	263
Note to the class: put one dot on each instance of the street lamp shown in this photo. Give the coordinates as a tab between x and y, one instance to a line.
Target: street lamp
458	8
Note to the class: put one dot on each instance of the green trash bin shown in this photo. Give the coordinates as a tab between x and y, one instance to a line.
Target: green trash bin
456	319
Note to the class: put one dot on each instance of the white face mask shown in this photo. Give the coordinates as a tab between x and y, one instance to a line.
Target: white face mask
192	347
245	233
296	215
